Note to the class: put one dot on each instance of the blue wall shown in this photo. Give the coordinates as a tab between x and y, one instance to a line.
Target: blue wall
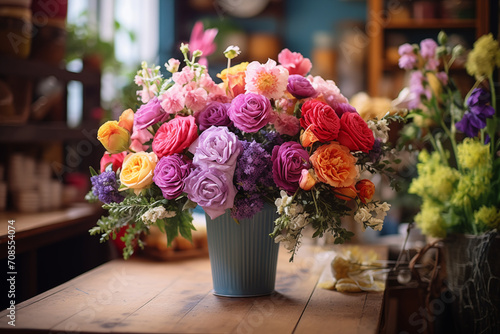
304	18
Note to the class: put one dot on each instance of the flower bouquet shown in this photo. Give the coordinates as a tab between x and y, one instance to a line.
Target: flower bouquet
459	180
267	133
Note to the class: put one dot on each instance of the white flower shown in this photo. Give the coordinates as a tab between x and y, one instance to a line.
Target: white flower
232	52
283	202
380	129
362	215
288	241
153	214
299	221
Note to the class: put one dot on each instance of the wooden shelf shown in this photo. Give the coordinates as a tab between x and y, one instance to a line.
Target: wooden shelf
430	24
45	132
36	68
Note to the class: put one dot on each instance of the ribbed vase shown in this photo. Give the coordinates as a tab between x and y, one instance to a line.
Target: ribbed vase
243	256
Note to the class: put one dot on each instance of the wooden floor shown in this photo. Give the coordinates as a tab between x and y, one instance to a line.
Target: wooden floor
144	296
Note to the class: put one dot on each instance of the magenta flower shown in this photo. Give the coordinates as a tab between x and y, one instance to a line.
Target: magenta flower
215	113
149	114
203	40
289	159
250	112
212	189
170	174
300	87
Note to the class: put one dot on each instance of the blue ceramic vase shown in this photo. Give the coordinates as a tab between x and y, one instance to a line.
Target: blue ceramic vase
243	256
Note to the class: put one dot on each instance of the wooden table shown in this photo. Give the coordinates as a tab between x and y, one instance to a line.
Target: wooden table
145	296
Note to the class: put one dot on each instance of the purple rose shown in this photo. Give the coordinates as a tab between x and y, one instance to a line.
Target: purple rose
215	113
250	112
342	108
149	114
216	147
170	174
300	87
212	189
289	160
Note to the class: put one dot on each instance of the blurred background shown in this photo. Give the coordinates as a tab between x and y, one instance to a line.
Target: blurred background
66	66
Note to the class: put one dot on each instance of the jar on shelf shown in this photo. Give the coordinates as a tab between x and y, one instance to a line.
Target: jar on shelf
15	28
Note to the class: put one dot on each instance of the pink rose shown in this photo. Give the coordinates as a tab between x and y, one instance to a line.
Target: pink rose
294	62
175	136
115	159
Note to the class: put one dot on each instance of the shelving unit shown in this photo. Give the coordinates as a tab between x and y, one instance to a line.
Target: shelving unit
383	72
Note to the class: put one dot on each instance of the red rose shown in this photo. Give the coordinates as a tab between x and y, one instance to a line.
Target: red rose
115	159
325	122
355	133
175	136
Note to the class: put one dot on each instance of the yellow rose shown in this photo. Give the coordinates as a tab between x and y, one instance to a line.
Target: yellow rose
126	120
113	137
137	170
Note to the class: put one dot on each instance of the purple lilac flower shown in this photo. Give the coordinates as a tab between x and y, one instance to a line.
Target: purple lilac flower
250	112
376	151
149	114
105	187
300	87
479	110
245	207
215	113
428	51
417	89
170	173
273	139
212	189
408	58
216	147
252	169
289	160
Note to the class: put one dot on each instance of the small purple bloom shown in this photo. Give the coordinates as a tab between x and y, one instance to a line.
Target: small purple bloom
300	87
212	189
408	57
428	48
149	114
479	110
289	160
170	173
252	169
245	207
342	108
250	112
105	187
215	113
216	147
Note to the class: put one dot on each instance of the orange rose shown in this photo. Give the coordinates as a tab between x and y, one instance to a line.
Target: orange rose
234	79
334	165
307	138
346	193
126	120
366	189
307	179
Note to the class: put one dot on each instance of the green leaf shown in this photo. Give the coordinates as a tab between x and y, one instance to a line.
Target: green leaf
93	172
189	205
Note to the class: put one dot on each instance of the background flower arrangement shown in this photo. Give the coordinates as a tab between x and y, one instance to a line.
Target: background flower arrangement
459	181
266	133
